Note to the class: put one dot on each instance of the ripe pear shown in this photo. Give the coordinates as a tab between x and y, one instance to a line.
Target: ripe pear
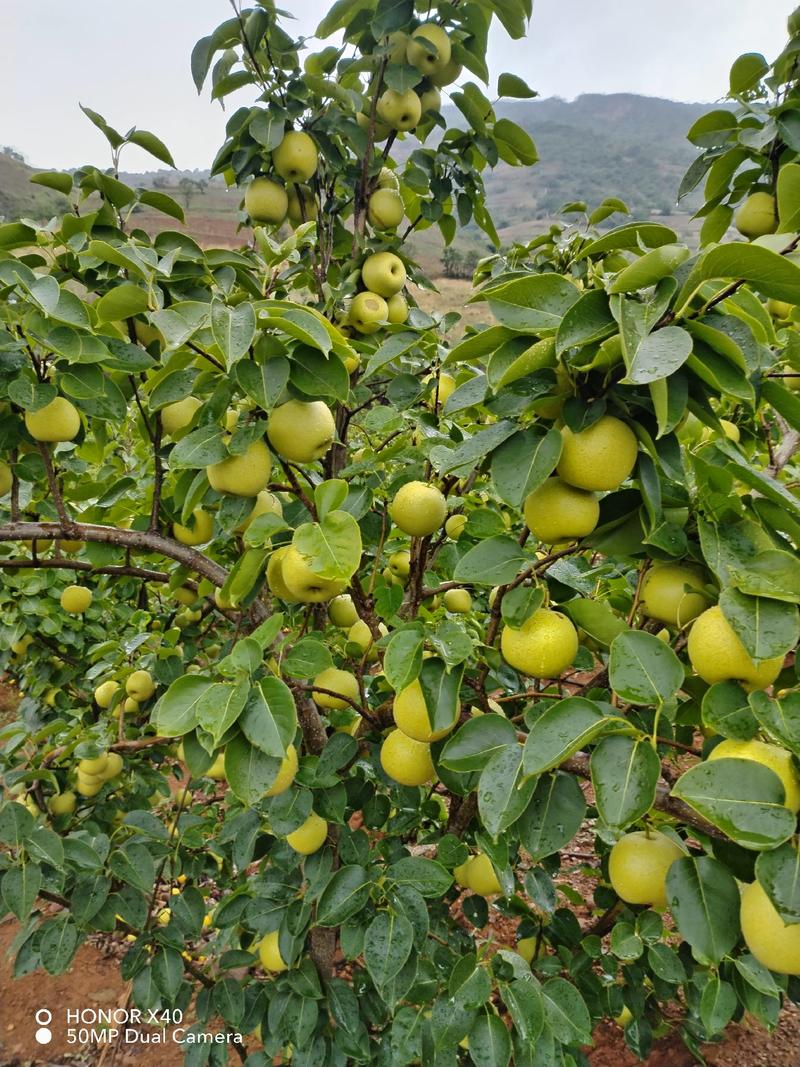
303	584
454	527
243	475
418	509
270	954
266	201
266	504
405	760
429	49
447	75
301	432
410	713
338	681
277	586
199	533
400	563
383	273
76	599
543	647
638	865
774	943
71	547
176	417
104	694
6	478
140	686
777	759
295	159
757	216
387	179
57	421
481	876
310	836
286	773
385	210
217	768
400	111
381	131
368	312
342	611
600	457
673	593
62	803
430	100
458	601
717	654
397	307
559	512
302	205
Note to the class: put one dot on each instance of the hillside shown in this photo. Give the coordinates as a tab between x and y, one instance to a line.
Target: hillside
624	145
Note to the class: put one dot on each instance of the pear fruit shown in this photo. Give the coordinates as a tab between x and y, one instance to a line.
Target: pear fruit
301	432
243	475
296	158
266	201
418	509
383	273
303	584
368	312
57	421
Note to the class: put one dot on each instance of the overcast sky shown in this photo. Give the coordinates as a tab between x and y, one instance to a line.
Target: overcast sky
131	63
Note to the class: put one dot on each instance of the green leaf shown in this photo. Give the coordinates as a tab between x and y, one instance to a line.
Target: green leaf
517	142
345	894
746	72
717	1005
152	144
596	617
704	901
533	304
771	274
523	463
440	690
788	194
331	548
59	941
742	798
473	744
778	871
53	179
121	302
402	658
176	711
249	771
318	375
19	889
258	725
630	236
625	773
766	628
560	731
511	85
220	706
134	866
265	382
503	791
725	711
428	877
554	815
495	561
200	448
489	1042
307	658
566	1013
387	945
523	998
779	718
643	669
234	329
659	355
163	203
588	320
168	971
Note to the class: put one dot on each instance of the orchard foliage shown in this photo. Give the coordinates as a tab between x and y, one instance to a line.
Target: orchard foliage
383	616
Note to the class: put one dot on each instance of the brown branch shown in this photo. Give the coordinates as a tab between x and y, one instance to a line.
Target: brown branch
83	565
298	490
158	475
314	733
52	482
143	540
118	746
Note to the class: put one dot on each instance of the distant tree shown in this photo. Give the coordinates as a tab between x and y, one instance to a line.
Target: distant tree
191	187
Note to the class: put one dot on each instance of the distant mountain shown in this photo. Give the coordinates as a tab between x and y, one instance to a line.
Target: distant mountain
632	147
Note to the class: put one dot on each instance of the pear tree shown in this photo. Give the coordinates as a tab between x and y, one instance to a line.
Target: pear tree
336	623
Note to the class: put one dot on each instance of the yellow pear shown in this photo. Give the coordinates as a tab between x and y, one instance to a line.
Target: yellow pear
418	509
410	714
176	417
543	647
600	457
310	837
338	681
559	512
405	760
773	942
199	533
777	759
673	593
717	654
76	599
286	772
303	584
638	866
57	421
243	475
301	432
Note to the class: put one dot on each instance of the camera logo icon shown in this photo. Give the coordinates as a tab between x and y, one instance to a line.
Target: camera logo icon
44	1035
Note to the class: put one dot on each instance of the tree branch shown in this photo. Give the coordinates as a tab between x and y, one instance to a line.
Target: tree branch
83	565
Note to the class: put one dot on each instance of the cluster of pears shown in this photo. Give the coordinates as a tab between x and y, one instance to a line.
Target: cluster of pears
92	774
478	874
383	276
139	687
295	161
